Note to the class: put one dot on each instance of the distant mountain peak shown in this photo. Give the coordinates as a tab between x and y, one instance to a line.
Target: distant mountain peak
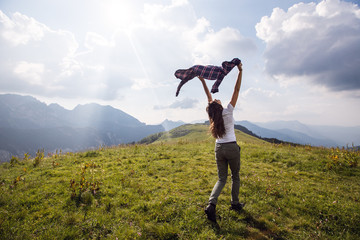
169	124
170	121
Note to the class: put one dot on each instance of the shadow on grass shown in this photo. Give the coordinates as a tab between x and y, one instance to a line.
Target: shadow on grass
259	225
260	230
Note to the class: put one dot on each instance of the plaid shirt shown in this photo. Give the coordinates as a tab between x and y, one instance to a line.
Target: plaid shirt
208	72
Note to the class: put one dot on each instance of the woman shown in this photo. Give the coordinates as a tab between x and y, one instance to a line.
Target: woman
227	152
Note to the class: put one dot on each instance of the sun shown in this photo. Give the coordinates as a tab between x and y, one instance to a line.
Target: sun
118	13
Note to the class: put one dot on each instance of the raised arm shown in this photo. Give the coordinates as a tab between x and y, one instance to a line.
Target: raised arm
235	95
207	92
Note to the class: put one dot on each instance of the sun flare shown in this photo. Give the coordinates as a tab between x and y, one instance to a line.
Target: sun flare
118	13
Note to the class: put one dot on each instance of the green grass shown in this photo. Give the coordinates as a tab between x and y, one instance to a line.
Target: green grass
159	191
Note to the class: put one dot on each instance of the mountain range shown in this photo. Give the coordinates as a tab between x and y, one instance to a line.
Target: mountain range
27	125
297	132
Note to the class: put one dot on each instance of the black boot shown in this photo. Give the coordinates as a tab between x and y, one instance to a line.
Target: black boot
210	212
237	207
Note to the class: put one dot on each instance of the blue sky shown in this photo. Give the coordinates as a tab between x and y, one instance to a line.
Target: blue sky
301	59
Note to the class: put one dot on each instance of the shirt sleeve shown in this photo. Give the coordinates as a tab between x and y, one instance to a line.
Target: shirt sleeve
230	107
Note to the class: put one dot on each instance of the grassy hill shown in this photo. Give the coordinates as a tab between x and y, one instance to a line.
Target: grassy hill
159	191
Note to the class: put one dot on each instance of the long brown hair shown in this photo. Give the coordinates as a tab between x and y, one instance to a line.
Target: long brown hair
217	127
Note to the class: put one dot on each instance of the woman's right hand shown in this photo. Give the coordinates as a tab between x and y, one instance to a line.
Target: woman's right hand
240	67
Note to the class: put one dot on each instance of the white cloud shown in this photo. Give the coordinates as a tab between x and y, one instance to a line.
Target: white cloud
317	42
21	29
179	15
145	54
93	39
186	103
223	45
259	93
31	72
142	83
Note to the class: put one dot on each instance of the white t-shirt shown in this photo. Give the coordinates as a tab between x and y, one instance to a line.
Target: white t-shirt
229	125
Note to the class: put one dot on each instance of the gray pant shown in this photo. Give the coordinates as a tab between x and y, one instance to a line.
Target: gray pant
227	154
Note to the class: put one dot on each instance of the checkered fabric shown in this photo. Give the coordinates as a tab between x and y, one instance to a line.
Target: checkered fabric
207	72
